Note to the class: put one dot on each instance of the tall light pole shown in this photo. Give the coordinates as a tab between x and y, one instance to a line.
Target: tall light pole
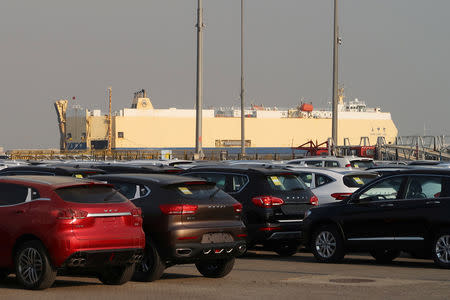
199	100
242	83
336	42
109	121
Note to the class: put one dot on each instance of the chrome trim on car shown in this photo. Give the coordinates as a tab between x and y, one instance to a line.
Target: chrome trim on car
407	238
109	214
288	221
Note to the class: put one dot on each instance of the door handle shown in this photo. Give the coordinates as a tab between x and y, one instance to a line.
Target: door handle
387	205
20	211
433	202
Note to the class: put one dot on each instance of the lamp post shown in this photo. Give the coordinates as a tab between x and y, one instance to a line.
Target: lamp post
336	43
242	84
199	91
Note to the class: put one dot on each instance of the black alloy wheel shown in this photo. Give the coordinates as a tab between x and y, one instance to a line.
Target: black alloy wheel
215	268
385	256
117	275
327	244
33	268
441	250
151	267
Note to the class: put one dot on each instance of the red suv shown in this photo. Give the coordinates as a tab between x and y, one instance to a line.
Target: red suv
52	223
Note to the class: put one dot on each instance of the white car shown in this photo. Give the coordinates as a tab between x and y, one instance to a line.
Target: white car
333	185
349	162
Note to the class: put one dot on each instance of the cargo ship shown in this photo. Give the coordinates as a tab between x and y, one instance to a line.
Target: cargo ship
142	126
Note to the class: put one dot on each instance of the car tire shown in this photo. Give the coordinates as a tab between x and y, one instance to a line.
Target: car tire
151	267
441	250
3	275
327	244
385	256
33	267
117	275
286	249
215	268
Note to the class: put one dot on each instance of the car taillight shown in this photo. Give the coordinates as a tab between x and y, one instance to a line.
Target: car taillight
71	213
178	209
267	201
136	212
314	200
237	207
348	165
340	196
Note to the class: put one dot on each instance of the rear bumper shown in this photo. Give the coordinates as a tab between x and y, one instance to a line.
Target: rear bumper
188	252
101	258
275	231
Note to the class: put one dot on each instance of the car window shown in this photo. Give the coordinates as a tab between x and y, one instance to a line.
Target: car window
196	191
287	182
237	182
356	181
306	178
314	163
11	194
331	164
387	189
322	180
362	164
217	178
423	187
129	190
90	194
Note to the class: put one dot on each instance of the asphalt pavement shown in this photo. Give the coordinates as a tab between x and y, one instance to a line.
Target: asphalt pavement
265	275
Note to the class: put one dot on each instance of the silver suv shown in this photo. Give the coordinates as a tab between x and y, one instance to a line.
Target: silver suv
349	162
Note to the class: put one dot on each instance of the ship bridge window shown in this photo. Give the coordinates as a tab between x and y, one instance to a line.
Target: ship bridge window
120	134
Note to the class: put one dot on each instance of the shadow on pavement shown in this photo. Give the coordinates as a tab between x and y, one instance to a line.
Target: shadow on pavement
12	283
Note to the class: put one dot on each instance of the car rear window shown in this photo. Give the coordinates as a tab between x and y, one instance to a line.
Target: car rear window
205	190
356	181
90	194
362	164
285	182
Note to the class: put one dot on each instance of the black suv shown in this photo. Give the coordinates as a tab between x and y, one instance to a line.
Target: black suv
274	202
404	211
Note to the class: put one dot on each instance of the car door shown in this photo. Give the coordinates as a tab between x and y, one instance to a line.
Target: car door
367	220
13	217
416	213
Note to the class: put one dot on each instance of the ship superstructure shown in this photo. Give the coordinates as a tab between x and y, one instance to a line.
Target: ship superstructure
142	126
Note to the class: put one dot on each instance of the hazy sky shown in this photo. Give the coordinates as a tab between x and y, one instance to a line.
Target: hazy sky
394	55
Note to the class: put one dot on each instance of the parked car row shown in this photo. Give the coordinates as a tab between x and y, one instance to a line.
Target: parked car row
120	221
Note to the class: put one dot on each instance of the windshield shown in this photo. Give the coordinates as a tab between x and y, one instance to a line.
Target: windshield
90	194
356	181
362	164
197	190
288	182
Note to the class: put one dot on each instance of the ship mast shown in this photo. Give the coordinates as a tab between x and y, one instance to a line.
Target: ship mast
199	100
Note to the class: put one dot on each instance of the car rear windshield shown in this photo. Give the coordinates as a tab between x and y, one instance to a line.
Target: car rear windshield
285	182
90	194
203	190
356	181
362	164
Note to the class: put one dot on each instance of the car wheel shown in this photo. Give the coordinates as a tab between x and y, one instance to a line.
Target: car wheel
286	249
441	250
385	255
151	267
215	268
117	275
327	244
33	268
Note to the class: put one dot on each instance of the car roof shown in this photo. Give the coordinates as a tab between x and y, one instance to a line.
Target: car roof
255	169
53	181
162	179
51	168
